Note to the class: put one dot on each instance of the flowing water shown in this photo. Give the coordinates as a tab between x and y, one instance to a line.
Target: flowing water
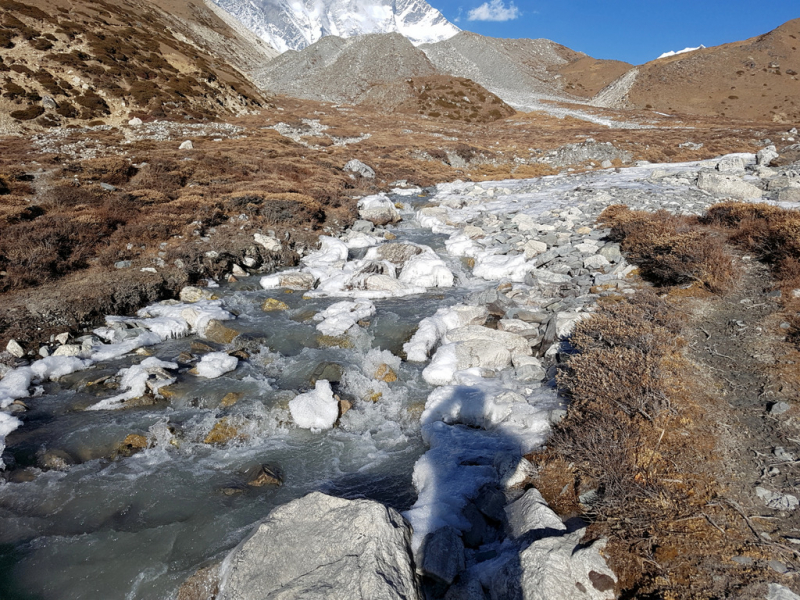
135	527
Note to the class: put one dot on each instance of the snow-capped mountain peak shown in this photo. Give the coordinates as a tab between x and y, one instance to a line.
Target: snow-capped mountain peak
295	24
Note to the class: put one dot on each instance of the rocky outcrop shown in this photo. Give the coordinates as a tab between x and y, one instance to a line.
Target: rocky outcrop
323	547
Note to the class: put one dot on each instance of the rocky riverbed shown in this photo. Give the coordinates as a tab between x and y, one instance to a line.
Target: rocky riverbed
405	366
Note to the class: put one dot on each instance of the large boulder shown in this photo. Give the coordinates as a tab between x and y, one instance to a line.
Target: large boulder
556	568
727	185
513	342
321	547
379	210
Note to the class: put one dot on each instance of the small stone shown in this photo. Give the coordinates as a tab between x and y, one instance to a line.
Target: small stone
597	261
269	243
743	560
68	350
328	371
135	122
443	555
238	271
123	264
217	332
62	338
44	351
272	304
222	433
14	349
385	373
778	566
108	187
187	145
344	406
192	294
584	230
779	408
356	166
261	475
230	399
204	584
132	444
54	460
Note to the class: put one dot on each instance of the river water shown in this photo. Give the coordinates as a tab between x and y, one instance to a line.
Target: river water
135	527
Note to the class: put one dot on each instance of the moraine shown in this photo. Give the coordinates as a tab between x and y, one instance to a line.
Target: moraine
440	330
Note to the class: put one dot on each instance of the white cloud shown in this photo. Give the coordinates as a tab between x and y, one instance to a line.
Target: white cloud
494	10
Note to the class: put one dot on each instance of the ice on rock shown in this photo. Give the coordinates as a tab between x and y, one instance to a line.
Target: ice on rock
379	209
443	366
16	383
54	367
7	425
339	317
427	271
134	382
493	267
332	254
317	409
103	352
432	329
215	364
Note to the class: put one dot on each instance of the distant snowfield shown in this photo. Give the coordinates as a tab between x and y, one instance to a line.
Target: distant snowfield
684	51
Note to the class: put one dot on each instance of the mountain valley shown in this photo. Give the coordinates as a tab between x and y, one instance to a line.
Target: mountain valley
304	297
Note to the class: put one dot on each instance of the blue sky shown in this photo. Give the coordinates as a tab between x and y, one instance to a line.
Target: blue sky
633	31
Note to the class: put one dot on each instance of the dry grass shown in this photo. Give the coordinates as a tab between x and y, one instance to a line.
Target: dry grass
671	250
638	438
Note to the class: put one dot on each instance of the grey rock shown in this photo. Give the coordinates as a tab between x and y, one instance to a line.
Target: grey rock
779	408
442	555
777	500
108	187
467	588
531	512
49	103
187	145
789	194
122	264
598	261
323	547
611	252
491	503
556	568
727	185
363	226
779	592
14	349
765	156
731	164
397	253
530	373
356	166
778	566
478	532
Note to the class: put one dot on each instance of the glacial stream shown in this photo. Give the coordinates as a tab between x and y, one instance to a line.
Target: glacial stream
100	525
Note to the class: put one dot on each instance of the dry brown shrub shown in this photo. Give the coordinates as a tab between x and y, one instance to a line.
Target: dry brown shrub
773	233
635	437
671	250
114	170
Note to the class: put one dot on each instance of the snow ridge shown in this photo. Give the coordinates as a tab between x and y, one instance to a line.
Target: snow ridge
295	24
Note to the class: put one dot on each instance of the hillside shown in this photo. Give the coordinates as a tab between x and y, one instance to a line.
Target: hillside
66	62
755	79
336	69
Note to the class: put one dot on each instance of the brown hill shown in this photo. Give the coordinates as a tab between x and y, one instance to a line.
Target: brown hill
586	76
438	96
67	61
755	79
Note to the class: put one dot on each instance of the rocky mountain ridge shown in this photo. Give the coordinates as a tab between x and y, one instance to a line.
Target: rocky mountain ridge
287	25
